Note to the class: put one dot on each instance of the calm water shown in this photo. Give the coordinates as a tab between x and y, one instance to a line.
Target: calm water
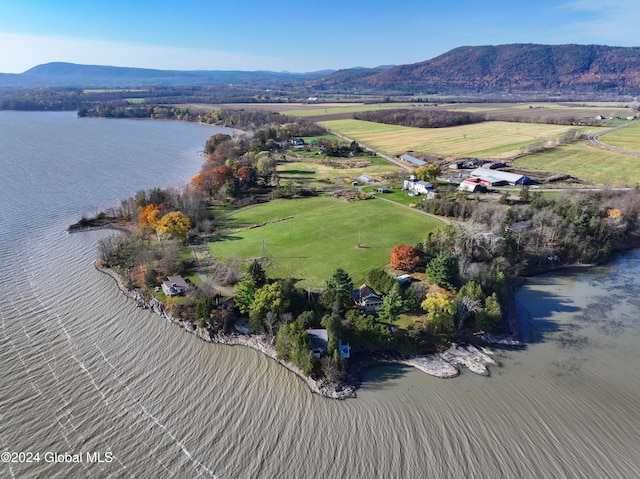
82	370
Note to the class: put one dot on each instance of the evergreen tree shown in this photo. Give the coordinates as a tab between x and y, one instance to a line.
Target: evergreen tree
257	273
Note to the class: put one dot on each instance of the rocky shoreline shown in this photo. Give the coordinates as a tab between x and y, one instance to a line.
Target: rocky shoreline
441	365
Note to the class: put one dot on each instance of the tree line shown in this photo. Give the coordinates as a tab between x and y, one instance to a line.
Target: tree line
421	118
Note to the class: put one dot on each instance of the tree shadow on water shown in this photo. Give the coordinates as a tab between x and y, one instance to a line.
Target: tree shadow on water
537	316
382	376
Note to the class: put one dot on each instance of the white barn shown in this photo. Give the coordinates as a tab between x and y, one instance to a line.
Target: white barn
496	177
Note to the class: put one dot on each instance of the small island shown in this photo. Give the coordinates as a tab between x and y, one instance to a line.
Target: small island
423	278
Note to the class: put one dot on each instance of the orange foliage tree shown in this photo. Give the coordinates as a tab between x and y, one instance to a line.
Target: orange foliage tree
149	217
174	225
212	179
404	257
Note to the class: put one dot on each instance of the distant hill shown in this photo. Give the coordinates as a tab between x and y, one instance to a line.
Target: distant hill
502	69
74	75
506	69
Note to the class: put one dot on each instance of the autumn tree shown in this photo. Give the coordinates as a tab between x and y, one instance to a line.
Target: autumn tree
440	311
211	180
215	140
149	217
428	172
174	225
404	257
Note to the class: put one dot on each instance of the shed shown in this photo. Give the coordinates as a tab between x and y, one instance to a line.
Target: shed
366	179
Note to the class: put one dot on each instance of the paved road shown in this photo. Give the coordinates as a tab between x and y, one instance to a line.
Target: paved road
371	150
593	138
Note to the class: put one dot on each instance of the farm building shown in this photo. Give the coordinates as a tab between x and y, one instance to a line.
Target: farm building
496	178
366	179
471	185
421	187
413	160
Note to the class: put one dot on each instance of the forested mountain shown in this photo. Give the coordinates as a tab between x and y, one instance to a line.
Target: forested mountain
74	75
512	68
503	69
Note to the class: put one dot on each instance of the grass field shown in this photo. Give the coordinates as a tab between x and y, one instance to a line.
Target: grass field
322	235
307	168
588	162
486	140
626	138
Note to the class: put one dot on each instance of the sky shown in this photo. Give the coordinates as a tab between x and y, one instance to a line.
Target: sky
296	36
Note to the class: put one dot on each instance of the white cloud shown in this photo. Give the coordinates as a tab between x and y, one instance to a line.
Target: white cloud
19	52
614	22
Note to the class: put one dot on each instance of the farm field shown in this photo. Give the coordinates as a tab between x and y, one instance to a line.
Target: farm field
585	161
308	169
316	236
486	140
626	138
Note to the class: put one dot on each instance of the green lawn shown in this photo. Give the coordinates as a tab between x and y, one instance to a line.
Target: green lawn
395	194
321	236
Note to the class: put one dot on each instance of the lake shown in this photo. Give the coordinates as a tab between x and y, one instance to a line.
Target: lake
85	371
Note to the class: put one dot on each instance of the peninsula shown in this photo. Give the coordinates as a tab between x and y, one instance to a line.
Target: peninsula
282	243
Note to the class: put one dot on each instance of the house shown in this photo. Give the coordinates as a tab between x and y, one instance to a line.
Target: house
496	177
319	340
366	298
420	187
174	286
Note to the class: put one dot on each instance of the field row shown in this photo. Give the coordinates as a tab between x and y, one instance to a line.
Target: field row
486	140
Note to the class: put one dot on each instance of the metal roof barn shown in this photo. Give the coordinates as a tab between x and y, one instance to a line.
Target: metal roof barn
496	176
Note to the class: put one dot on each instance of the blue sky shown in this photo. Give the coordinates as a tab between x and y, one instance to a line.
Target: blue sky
300	36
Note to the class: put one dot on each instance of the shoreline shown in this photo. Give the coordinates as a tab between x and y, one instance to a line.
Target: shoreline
446	364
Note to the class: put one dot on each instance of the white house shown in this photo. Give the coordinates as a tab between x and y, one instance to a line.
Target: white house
420	187
174	286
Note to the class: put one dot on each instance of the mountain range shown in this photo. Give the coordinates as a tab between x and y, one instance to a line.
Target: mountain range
503	69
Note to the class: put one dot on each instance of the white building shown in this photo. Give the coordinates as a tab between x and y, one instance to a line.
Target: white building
421	187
